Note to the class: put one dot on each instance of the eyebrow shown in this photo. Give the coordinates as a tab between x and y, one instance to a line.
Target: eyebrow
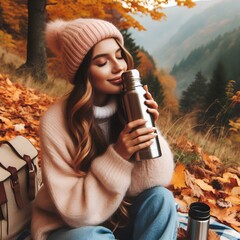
105	54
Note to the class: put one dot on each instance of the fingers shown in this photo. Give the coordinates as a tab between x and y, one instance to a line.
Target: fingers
154	113
143	139
151	103
134	124
134	137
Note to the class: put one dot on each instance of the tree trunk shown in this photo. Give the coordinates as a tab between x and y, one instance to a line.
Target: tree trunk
36	47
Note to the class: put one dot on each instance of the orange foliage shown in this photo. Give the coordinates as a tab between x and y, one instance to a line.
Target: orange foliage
20	110
169	86
14	13
146	64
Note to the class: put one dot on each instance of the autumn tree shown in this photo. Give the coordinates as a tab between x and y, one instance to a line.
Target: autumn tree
119	12
194	96
36	52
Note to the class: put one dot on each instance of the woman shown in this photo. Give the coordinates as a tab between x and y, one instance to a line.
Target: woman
91	189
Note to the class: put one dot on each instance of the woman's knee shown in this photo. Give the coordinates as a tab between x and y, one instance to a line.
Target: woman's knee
157	193
158	197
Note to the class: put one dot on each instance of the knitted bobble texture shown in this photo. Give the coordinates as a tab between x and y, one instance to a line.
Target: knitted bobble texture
53	32
73	39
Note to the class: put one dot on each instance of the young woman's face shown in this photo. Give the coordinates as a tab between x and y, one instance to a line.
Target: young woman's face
106	68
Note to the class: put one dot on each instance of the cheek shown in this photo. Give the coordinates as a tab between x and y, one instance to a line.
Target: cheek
96	73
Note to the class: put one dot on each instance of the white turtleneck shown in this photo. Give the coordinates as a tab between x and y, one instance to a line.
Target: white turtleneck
103	115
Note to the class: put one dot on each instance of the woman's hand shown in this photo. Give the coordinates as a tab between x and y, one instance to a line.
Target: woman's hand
134	137
153	106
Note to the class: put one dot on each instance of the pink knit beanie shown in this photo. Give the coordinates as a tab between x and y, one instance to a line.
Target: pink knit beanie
72	40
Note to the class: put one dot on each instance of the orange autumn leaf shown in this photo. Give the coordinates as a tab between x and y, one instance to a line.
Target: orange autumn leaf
182	205
204	186
212	162
178	180
234	200
213	235
235	191
190	181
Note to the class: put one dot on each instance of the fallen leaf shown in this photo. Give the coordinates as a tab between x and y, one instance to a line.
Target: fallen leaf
182	234
178	180
235	191
213	235
190	181
223	203
234	200
182	205
228	176
19	127
204	186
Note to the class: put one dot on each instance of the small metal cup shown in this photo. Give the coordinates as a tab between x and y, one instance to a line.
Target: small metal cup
198	221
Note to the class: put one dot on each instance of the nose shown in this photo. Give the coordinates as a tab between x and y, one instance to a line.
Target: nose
117	66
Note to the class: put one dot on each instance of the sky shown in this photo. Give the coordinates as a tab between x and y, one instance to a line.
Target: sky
173	3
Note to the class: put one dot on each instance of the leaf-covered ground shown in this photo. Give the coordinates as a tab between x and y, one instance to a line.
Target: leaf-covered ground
205	180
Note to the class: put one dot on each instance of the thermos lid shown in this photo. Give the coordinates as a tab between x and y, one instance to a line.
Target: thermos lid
199	211
131	79
133	73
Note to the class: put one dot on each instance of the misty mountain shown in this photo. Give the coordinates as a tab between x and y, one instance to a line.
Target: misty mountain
224	48
198	30
158	33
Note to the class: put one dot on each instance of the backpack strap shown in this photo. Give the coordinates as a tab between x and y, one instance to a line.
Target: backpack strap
31	170
14	184
3	199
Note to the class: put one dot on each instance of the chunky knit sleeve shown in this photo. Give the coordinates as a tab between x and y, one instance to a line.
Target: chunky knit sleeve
152	172
78	200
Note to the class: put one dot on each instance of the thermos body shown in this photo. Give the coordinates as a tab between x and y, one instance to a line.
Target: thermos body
135	108
198	221
198	230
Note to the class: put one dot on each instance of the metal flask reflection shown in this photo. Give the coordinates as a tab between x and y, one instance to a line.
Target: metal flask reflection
135	108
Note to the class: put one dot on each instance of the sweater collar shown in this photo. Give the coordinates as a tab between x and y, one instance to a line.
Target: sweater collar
106	111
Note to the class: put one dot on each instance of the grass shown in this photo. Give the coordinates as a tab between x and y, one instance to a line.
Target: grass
54	87
221	146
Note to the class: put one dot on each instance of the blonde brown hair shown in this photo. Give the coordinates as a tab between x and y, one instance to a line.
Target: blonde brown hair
85	133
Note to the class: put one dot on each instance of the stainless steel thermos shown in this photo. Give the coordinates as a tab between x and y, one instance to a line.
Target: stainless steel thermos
135	108
198	221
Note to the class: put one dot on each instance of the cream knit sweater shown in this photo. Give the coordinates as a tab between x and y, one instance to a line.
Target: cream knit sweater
65	199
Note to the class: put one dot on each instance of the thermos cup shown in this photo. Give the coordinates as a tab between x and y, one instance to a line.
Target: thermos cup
135	108
198	221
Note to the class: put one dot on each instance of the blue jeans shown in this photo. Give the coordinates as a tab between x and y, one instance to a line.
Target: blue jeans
153	216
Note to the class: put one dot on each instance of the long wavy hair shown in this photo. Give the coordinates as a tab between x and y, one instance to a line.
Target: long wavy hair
86	135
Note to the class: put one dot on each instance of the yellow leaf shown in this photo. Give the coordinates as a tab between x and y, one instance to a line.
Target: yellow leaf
233	199
178	180
6	121
235	191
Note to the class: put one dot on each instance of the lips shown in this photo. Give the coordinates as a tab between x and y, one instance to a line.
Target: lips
116	81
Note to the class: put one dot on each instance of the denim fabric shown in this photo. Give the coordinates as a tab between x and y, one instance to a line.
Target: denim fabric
153	216
82	233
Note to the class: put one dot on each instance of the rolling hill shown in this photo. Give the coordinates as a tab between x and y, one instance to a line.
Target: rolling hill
224	48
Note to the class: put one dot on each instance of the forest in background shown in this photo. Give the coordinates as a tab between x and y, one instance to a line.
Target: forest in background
13	41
